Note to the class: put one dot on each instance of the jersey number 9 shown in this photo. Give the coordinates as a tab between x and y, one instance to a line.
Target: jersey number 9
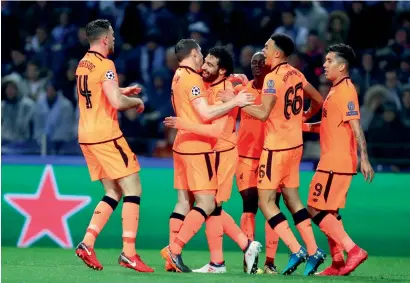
82	88
293	106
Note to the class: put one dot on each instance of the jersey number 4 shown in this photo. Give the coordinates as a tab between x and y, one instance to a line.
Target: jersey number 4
293	106
82	88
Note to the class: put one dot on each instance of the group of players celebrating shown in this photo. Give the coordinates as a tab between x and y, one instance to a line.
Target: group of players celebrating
264	155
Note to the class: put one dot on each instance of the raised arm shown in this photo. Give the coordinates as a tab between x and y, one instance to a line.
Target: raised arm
316	101
117	100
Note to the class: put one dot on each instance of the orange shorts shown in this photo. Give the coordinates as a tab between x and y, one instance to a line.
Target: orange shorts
225	166
112	159
328	190
247	173
279	169
194	172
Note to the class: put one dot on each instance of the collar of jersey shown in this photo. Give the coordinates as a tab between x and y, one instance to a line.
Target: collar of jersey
95	52
189	68
339	82
217	83
278	65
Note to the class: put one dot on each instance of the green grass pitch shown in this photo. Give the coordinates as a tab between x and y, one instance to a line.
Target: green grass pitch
43	265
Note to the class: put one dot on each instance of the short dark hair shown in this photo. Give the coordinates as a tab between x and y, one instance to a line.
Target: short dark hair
96	28
184	47
225	58
284	42
343	51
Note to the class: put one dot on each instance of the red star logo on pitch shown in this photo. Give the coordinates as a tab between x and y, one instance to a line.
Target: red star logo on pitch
46	212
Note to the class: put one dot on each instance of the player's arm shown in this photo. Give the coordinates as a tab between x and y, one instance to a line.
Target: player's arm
213	130
311	127
109	82
117	99
316	101
365	165
261	112
209	112
349	108
131	90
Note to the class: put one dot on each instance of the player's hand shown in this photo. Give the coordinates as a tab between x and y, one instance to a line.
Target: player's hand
140	106
226	95
240	78
131	90
172	122
244	98
367	170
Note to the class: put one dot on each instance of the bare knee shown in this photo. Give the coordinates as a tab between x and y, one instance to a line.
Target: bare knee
266	198
111	189
313	211
130	185
205	202
183	206
114	194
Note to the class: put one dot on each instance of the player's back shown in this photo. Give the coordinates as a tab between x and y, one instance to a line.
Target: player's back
98	119
187	85
283	129
228	138
251	130
337	142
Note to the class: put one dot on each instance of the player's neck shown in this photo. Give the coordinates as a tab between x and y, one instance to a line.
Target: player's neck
258	82
99	49
340	78
278	61
218	80
188	63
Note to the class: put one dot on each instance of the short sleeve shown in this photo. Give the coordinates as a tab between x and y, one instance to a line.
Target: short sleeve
108	71
195	88
270	85
349	105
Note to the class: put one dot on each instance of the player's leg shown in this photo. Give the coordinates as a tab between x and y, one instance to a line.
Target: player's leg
272	242
300	214
103	211
271	173
200	174
246	180
213	225
121	164
226	171
336	252
327	193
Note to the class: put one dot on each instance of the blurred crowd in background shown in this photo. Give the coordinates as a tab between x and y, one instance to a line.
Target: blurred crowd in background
42	43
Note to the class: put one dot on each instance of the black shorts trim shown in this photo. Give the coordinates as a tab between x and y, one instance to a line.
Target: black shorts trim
285	149
335	173
225	150
122	153
208	166
248	157
101	142
192	153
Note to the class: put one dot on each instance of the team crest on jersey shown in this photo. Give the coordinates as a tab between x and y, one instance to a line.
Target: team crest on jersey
351	106
195	91
270	87
110	75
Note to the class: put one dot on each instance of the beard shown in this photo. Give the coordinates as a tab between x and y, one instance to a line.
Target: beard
210	78
111	49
